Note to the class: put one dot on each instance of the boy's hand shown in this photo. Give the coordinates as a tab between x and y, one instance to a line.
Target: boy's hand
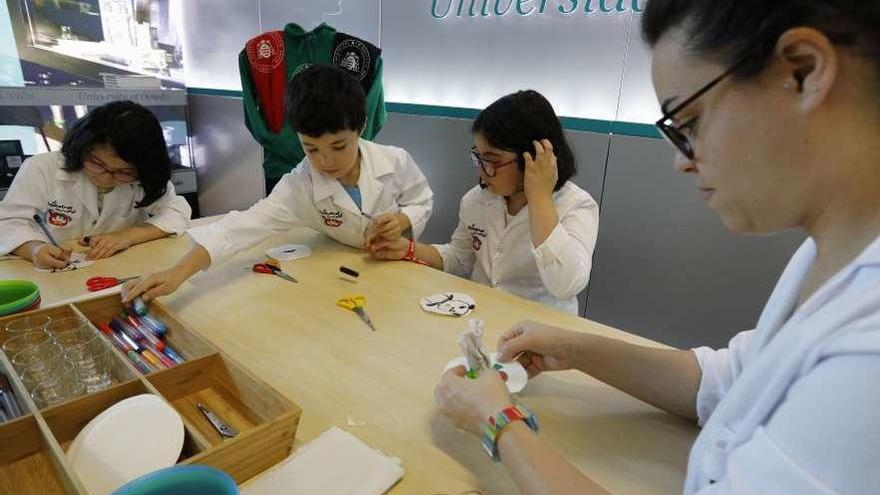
386	227
394	249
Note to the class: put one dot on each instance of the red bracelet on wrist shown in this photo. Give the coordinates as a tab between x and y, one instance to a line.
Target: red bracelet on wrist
411	254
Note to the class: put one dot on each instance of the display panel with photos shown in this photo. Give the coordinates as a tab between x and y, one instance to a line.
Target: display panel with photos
117	44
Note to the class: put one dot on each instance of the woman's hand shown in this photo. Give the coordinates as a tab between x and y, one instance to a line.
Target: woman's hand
470	402
538	347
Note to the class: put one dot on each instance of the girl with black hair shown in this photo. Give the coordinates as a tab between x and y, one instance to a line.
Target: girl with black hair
526	229
774	108
109	188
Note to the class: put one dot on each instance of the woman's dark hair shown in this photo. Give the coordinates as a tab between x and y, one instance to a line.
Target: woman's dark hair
726	30
514	121
325	99
134	134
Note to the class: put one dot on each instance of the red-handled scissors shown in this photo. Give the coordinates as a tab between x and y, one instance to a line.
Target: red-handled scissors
95	284
272	270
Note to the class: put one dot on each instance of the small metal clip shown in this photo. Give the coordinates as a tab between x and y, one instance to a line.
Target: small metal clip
222	428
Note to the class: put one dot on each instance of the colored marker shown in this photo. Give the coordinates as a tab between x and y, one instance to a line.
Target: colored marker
139	363
8	398
142	366
171	353
140	307
155	323
124	336
348	271
146	332
167	362
132	332
111	335
153	359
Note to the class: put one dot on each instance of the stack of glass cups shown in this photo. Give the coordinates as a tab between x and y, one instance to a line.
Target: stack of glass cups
61	360
19	342
31	350
40	367
86	349
32	323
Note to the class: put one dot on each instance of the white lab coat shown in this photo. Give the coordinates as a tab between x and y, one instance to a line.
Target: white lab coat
791	407
486	249
70	202
390	182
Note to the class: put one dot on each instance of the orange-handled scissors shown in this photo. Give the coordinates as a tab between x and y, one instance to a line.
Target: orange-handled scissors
95	284
356	304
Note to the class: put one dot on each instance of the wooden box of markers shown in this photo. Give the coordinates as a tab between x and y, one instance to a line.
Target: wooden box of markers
33	446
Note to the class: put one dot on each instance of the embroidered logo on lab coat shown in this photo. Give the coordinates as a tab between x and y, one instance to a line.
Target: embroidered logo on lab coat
332	218
476	234
59	214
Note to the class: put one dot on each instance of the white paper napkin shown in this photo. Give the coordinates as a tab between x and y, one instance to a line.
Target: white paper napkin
336	463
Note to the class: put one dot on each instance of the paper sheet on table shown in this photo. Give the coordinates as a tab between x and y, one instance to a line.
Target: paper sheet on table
337	462
77	260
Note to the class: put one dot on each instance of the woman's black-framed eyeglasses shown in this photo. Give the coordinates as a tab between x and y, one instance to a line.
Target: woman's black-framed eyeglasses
676	134
487	166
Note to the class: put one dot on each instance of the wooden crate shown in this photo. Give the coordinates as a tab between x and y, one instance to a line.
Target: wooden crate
32	458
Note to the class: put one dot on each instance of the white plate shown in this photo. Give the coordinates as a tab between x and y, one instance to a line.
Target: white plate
448	303
133	437
77	260
289	252
517	376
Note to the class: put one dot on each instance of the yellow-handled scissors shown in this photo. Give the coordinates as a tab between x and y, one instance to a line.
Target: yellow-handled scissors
356	304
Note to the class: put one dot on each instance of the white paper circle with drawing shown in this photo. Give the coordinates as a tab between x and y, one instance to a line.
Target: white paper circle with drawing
289	252
133	437
77	260
448	303
514	375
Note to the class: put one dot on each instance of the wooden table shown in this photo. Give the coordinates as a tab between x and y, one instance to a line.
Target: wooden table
380	385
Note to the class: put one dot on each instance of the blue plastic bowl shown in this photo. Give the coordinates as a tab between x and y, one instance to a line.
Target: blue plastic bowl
181	480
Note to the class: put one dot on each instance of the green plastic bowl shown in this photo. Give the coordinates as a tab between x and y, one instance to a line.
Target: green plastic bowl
17	295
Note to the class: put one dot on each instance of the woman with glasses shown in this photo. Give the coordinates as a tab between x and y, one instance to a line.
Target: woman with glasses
526	228
109	188
774	108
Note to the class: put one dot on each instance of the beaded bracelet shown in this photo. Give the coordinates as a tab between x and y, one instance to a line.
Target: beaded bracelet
495	424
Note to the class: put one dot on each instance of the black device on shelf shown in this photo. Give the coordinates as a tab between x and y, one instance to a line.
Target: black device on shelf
11	156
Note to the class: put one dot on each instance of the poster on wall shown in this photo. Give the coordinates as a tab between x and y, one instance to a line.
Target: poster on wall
116	44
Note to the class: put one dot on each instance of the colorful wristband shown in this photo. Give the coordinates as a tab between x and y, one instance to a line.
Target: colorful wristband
495	424
411	254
